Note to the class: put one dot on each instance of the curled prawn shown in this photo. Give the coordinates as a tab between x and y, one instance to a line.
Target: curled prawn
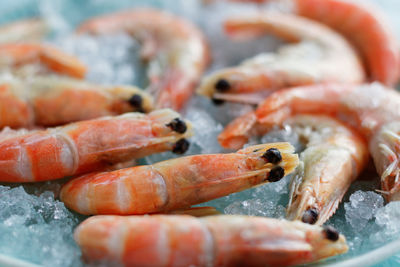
178	183
33	58
372	109
88	146
333	158
54	100
174	49
222	240
364	25
23	30
318	55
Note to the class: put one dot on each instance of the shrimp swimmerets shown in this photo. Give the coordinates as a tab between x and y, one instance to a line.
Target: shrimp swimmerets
54	100
319	55
334	156
372	109
178	183
91	145
222	240
174	49
364	25
23	30
26	59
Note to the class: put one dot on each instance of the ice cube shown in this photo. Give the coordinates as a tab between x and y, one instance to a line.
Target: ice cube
362	208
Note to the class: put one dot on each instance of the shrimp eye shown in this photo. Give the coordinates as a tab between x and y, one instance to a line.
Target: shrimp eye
276	174
217	101
181	146
310	216
331	233
222	85
177	125
272	155
136	101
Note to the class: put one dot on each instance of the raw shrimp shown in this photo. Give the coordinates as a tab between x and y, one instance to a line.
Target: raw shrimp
372	109
88	146
319	55
222	240
178	183
31	58
174	49
54	100
23	30
334	156
364	25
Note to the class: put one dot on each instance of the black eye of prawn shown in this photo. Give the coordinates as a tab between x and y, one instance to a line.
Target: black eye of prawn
181	146
222	85
177	125
310	216
136	101
217	102
273	155
276	174
331	233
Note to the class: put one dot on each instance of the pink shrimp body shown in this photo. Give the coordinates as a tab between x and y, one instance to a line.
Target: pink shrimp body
222	240
364	25
55	100
318	55
23	30
372	109
177	183
174	49
87	146
15	55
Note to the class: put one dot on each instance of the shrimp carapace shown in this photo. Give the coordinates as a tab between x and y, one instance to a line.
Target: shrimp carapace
222	240
15	56
317	55
52	100
178	183
88	146
174	49
364	25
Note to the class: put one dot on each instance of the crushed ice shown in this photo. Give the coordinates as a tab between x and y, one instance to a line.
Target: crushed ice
37	228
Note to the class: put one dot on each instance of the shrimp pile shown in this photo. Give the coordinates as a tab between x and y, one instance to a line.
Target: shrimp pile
317	85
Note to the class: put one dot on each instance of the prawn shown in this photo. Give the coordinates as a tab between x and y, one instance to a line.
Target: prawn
175	50
222	240
364	25
54	100
318	55
87	146
23	30
178	183
372	109
32	58
334	157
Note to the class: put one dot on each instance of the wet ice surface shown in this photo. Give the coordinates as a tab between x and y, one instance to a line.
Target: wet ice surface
38	228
